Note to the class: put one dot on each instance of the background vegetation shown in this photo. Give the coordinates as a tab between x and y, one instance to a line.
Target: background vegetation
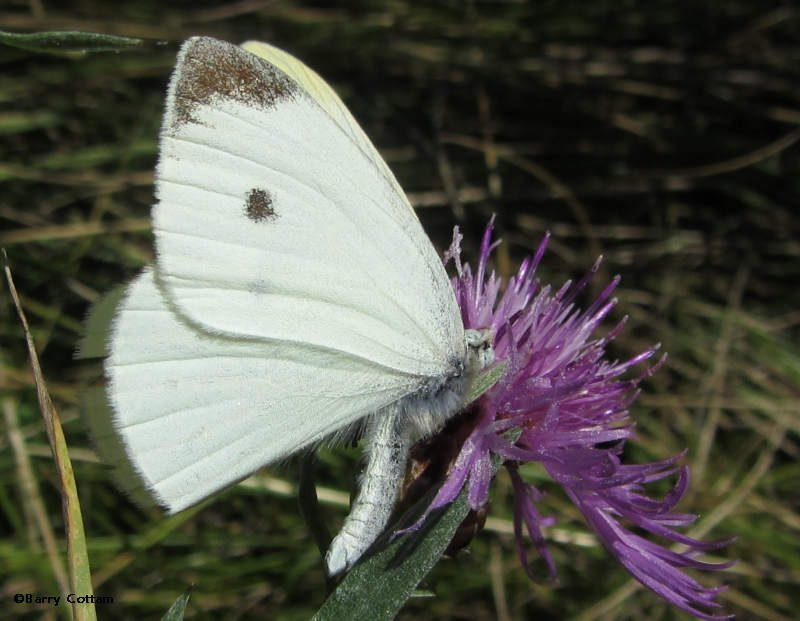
660	134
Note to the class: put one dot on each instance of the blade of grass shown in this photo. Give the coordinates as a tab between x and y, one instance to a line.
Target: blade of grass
77	553
59	42
32	497
178	609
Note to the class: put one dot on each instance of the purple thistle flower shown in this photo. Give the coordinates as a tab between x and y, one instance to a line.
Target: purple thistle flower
563	402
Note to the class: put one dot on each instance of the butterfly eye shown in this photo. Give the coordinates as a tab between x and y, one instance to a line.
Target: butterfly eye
487	355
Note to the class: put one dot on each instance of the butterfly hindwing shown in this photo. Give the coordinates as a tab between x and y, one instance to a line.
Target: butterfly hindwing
197	412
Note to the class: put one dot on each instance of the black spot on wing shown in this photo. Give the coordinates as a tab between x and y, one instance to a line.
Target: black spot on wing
210	69
259	206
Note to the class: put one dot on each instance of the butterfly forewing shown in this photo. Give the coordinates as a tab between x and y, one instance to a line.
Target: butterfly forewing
317	88
273	223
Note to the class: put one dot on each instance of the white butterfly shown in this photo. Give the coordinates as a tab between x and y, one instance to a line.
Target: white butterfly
294	294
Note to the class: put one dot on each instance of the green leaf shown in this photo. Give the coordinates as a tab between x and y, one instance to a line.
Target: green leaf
486	380
178	608
73	41
378	587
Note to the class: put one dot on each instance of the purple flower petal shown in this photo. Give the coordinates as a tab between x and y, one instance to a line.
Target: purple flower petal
570	410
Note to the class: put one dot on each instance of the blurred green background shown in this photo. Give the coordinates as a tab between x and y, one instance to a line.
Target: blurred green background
662	135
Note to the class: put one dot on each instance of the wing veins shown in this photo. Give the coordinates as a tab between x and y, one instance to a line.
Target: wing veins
163	415
191	283
196	326
324	431
377	248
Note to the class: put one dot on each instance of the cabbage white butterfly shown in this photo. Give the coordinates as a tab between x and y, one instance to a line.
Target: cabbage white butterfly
294	295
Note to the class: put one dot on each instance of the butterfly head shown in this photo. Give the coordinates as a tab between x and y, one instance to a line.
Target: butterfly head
479	349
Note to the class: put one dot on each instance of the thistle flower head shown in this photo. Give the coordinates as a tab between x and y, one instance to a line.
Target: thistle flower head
561	403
